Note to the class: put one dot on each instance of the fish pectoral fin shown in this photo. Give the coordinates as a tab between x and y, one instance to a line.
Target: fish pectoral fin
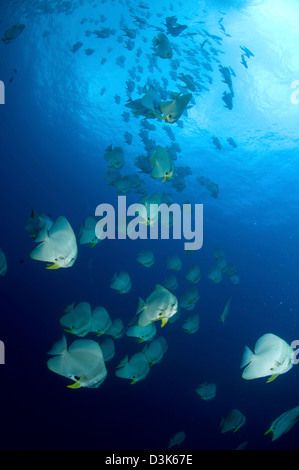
53	266
273	377
75	385
277	364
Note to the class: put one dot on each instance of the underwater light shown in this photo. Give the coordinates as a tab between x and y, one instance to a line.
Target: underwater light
284	11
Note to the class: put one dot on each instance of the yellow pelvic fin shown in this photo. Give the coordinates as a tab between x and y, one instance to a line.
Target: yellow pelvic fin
75	385
273	377
140	340
92	245
99	333
267	432
69	331
53	266
164	321
160	117
164	179
133	382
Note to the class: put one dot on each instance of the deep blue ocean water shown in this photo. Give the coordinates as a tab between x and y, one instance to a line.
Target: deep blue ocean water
55	127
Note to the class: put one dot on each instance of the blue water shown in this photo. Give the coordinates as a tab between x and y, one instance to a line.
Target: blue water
55	127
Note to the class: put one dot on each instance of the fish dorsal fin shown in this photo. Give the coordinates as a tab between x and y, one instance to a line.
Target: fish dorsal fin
150	99
266	342
175	95
160	288
247	357
123	362
42	234
141	305
70	308
152	158
60	225
59	347
90	223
